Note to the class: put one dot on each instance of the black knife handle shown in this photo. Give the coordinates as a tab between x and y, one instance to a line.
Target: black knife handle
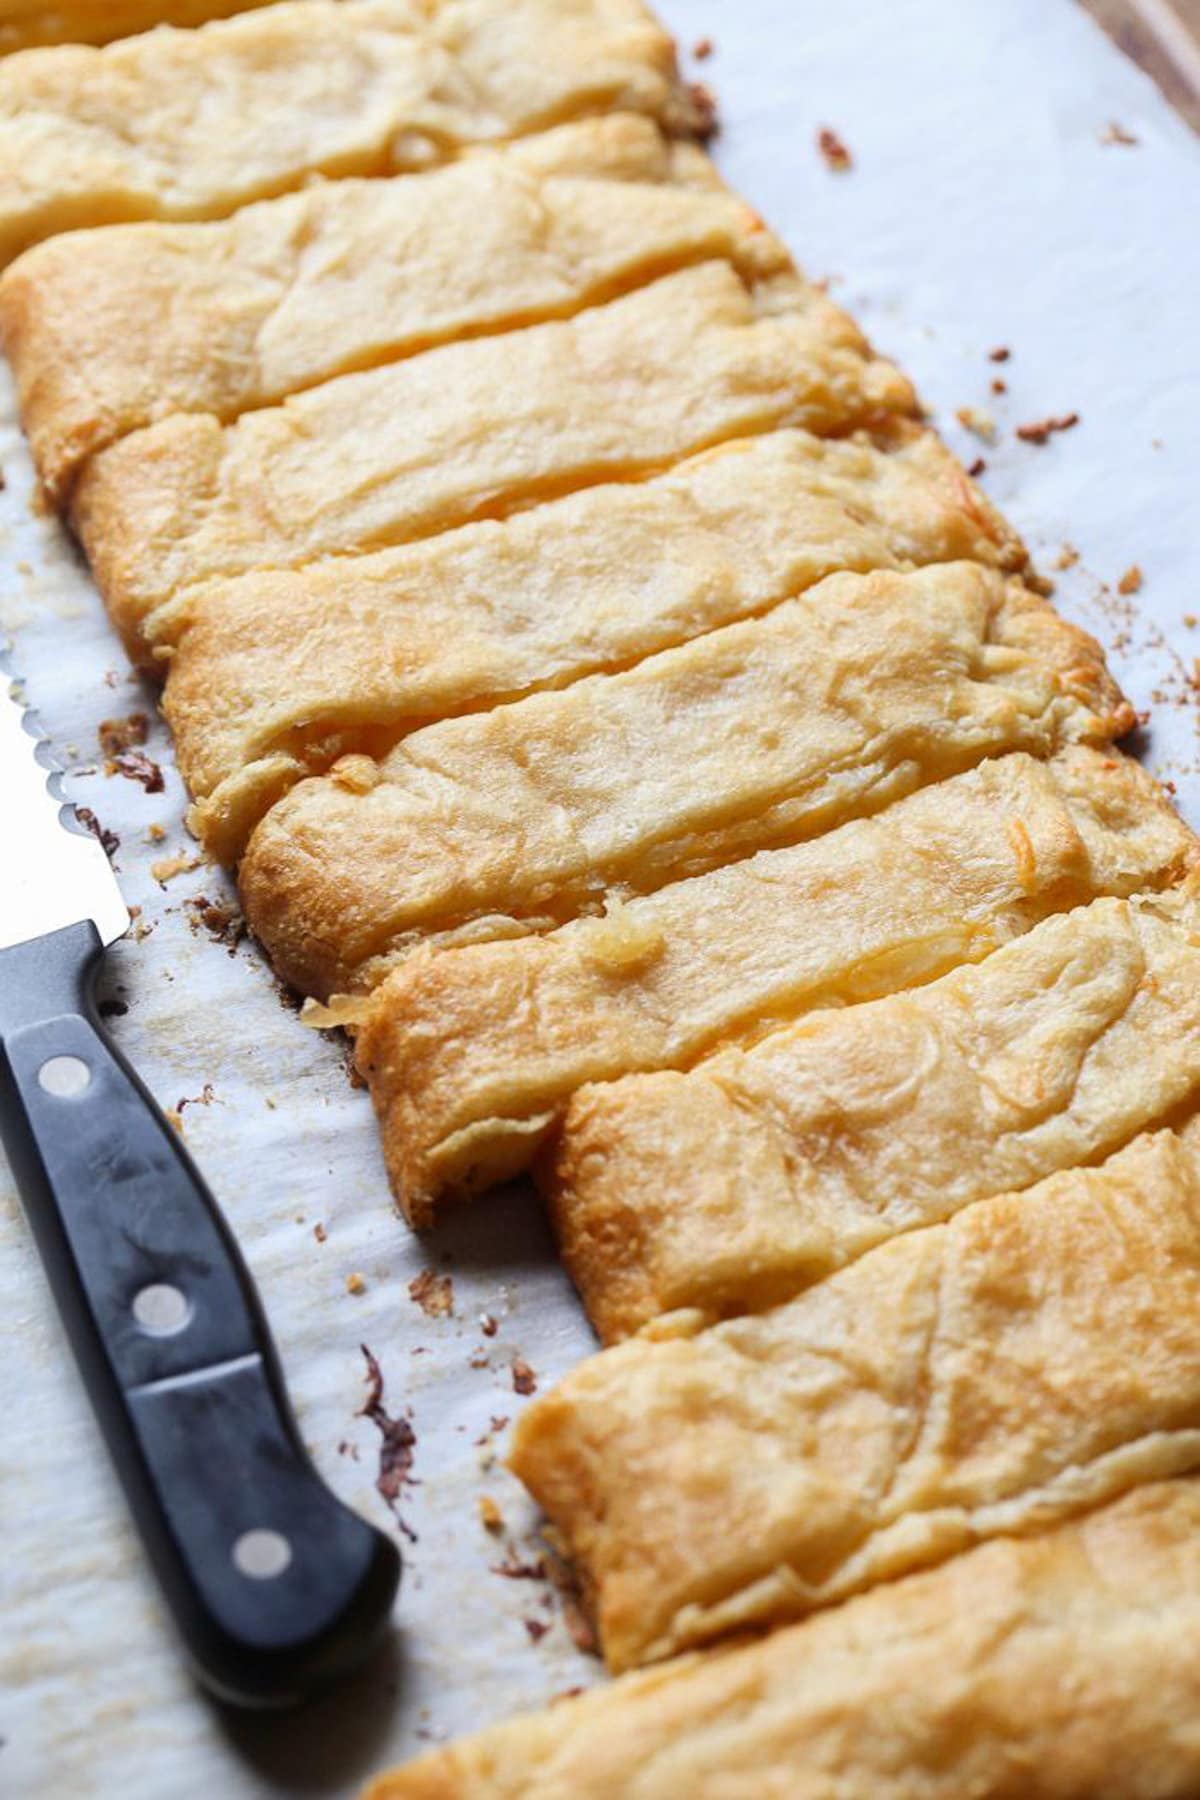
275	1586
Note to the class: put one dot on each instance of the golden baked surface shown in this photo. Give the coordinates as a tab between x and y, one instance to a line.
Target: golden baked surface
275	675
471	1054
192	124
1029	1359
762	1171
1061	1667
471	430
130	324
761	733
26	24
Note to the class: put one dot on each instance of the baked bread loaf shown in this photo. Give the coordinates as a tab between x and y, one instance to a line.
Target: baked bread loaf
26	24
761	733
193	124
472	1054
112	331
1025	1361
471	430
1061	1667
274	675
762	1171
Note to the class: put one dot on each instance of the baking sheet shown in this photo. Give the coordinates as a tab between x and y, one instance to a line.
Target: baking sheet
991	204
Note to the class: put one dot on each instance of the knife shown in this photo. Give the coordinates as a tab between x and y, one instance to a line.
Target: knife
275	1587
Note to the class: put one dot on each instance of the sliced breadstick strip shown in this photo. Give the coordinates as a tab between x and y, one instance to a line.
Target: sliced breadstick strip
1065	1665
760	734
472	1054
759	1172
110	331
1026	1361
471	430
193	124
275	675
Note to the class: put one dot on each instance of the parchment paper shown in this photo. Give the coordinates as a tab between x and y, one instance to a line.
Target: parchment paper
985	209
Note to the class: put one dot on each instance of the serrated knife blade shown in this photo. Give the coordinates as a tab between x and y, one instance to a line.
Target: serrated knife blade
275	1587
57	870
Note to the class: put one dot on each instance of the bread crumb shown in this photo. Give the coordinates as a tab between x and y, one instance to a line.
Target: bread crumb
355	1284
319	1232
359	774
433	1293
619	942
156	834
837	157
1131	580
1041	429
490	1516
1067	557
1000	354
977	468
126	733
171	866
702	49
978	422
1115	133
523	1378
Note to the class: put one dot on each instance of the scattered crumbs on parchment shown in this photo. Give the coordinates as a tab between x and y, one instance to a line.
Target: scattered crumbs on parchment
834	152
490	1516
1067	557
206	1097
977	468
1039	431
319	1232
1131	580
523	1378
356	1283
1000	353
703	48
135	765
433	1293
488	1324
125	733
108	840
224	924
978	422
398	1443
168	867
1116	133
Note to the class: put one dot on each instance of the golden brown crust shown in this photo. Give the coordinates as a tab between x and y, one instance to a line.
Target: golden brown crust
1024	1362
1063	1667
193	124
276	675
112	330
29	24
472	1054
762	733
760	1172
470	430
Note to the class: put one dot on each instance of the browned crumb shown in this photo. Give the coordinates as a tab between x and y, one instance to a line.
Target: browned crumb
398	1443
1067	557
1114	133
977	468
205	1097
835	153
978	422
1040	429
1190	621
1131	580
490	1516
478	1359
108	840
537	1628
433	1293
999	385
513	1569
356	1284
127	733
223	923
1000	354
319	1232
702	49
156	834
171	866
135	765
523	1378
488	1325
